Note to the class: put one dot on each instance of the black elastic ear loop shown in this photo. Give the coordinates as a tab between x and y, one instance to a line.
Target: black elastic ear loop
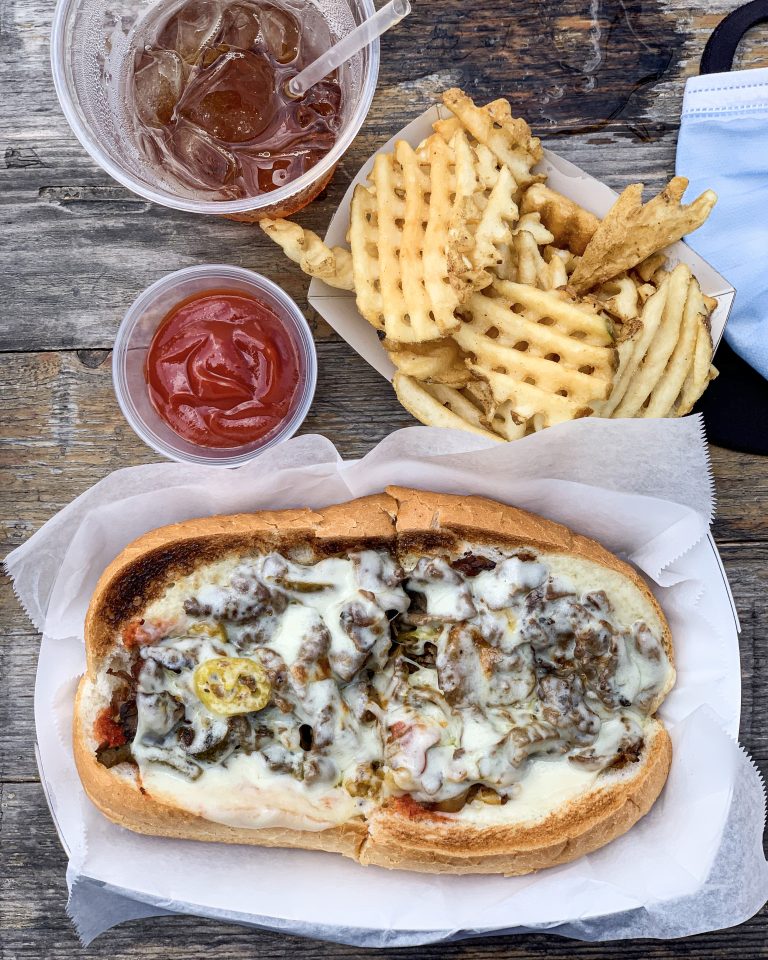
721	47
739	389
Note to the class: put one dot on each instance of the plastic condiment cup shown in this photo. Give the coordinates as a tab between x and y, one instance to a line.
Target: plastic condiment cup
89	43
135	336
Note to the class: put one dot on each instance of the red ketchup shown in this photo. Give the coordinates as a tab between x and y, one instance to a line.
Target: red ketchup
222	370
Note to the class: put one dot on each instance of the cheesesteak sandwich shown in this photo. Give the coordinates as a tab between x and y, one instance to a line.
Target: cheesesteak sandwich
411	679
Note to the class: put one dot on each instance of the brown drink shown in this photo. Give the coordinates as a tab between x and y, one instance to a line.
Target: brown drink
207	83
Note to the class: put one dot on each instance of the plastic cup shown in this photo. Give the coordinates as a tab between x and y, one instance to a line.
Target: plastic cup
135	335
89	42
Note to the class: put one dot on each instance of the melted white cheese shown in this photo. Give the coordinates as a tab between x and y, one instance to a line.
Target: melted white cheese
583	576
293	626
512	576
245	793
547	785
427	744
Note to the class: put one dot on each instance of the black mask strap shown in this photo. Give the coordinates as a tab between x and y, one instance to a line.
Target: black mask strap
721	47
735	406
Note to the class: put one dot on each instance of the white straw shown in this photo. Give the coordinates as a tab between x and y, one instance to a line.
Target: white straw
390	14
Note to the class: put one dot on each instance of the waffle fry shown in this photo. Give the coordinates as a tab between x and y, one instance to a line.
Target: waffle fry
439	406
493	230
504	306
507	137
363	239
304	247
414	233
648	267
438	361
507	423
524	262
550	359
521	260
441	253
620	297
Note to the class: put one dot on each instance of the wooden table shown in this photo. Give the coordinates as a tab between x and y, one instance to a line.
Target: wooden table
600	80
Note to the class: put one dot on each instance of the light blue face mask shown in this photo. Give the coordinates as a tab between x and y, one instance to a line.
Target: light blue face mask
723	144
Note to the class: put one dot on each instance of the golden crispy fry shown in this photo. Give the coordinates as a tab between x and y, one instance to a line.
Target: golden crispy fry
304	247
443	267
569	259
363	239
648	267
631	231
440	406
701	371
633	349
480	394
551	359
507	423
681	361
522	260
437	361
508	138
531	223
660	346
493	229
553	275
620	298
523	263
646	290
571	225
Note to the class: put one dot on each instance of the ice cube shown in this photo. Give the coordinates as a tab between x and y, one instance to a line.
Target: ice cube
240	26
158	83
209	55
231	100
280	31
191	28
203	162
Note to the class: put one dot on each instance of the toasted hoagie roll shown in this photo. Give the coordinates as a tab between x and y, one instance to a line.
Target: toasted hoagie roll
414	680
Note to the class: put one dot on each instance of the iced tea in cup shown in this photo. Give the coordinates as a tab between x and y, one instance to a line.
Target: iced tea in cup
185	103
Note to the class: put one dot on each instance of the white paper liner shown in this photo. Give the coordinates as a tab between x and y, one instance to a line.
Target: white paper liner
643	488
338	307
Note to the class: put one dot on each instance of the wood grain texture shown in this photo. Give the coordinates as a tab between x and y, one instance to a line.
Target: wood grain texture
600	80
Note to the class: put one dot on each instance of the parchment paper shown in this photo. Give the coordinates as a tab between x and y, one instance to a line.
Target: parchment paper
642	487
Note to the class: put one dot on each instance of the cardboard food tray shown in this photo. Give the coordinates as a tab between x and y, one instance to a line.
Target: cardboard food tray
338	308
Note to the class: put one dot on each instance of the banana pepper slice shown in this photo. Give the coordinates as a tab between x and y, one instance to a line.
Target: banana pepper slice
232	685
